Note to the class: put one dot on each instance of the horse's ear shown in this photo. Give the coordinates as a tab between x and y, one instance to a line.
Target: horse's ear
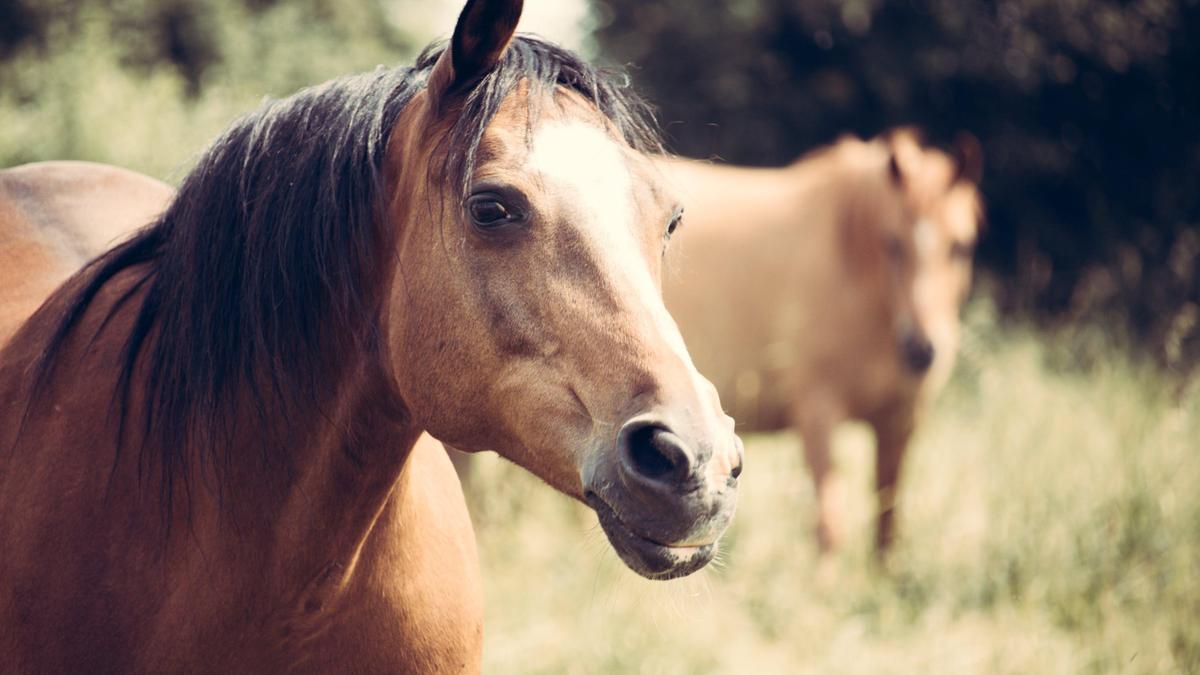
901	143
894	141
483	32
968	153
894	171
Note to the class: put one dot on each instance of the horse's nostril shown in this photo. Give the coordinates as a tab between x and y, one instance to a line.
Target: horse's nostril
657	454
737	470
919	353
649	455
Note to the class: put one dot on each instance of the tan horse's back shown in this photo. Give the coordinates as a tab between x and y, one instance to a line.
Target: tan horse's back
760	286
55	217
807	276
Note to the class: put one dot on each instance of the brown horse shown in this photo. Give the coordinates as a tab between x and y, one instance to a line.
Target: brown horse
55	217
207	456
829	290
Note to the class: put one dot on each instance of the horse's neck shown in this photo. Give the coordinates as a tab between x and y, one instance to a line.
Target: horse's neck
374	530
766	244
363	527
343	475
311	503
784	219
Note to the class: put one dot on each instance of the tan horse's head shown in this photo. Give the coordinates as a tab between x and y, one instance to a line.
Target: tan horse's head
919	233
526	316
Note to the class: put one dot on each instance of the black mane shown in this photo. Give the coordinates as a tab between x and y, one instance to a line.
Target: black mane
266	267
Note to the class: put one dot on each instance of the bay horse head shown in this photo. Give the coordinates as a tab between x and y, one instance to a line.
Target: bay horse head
481	239
526	314
473	247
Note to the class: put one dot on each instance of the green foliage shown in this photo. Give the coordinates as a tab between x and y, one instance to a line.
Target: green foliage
147	84
1050	525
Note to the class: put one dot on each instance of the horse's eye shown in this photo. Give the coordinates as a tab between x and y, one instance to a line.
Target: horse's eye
488	212
676	221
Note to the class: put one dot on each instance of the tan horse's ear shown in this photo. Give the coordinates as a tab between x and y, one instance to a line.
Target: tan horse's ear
483	32
968	153
903	145
894	170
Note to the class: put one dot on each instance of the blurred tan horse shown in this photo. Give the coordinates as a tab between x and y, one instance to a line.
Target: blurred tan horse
294	526
829	290
55	217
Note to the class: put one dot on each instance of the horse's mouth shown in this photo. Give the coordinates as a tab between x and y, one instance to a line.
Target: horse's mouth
645	556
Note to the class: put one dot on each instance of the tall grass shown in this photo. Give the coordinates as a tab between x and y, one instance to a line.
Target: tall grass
1051	524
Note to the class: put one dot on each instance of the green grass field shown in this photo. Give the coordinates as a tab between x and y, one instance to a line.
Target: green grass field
1051	524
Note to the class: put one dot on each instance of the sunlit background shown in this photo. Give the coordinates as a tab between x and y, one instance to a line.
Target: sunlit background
1050	516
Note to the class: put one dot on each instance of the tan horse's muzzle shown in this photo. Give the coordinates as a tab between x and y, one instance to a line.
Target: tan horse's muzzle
668	491
916	351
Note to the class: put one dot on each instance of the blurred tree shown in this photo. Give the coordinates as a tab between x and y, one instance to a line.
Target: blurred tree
190	36
20	22
183	34
146	83
1088	110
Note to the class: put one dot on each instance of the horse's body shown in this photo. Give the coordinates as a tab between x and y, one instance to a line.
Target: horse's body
209	455
825	291
56	216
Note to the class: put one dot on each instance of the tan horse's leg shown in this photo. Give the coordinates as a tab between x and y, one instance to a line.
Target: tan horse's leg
892	434
816	419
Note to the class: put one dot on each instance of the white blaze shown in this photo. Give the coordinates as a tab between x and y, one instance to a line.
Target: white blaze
926	238
582	160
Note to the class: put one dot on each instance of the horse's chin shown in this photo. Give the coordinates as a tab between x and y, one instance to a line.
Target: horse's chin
645	556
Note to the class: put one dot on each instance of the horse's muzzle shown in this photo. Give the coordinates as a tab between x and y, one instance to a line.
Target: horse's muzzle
917	352
664	500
